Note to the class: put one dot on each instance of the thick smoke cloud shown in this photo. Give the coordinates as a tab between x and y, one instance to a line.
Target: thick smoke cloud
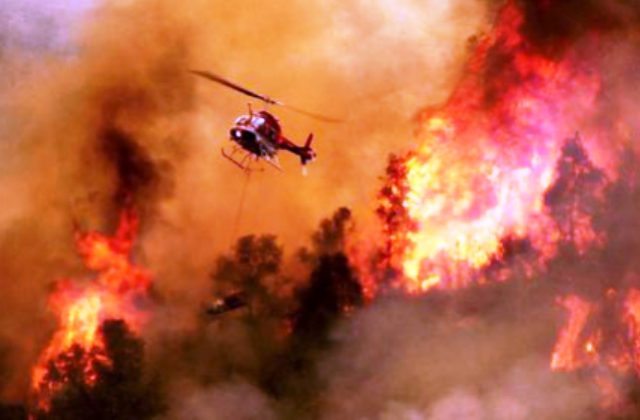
604	37
433	358
554	26
224	402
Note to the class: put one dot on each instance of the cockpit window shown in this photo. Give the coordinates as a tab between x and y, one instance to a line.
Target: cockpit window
254	121
258	121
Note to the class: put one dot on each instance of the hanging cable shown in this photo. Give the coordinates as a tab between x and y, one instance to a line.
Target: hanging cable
241	205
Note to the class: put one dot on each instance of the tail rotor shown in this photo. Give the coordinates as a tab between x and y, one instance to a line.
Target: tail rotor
307	154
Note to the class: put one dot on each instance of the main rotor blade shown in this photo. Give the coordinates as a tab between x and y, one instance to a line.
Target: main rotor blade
238	88
311	114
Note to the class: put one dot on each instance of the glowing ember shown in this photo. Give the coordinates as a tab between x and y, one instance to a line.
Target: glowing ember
81	309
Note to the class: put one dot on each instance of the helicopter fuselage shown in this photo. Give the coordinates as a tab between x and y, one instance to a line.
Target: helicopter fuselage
258	133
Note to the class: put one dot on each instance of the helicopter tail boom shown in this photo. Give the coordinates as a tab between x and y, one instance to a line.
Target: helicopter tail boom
306	152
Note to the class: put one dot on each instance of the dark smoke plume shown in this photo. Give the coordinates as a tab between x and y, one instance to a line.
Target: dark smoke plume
555	26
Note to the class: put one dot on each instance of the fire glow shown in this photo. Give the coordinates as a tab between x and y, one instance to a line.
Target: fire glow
580	344
493	165
81	308
484	163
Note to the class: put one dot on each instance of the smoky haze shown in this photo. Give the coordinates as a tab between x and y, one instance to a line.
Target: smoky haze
98	109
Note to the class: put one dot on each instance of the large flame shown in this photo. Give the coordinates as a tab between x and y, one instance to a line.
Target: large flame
487	157
492	166
81	308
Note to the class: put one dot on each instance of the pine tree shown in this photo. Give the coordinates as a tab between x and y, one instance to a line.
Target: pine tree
574	198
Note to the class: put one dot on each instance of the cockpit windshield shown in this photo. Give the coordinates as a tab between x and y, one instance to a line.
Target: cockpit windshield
254	121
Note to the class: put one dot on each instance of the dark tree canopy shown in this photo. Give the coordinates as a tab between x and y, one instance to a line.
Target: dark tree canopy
254	258
574	197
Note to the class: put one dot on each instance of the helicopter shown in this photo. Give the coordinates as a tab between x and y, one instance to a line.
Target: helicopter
258	134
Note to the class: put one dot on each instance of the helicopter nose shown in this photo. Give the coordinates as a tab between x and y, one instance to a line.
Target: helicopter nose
236	134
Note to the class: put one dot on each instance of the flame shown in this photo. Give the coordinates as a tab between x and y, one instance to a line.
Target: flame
622	353
487	157
575	349
81	308
564	355
481	179
632	318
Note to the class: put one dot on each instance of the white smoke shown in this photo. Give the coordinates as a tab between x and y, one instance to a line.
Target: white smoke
403	360
230	401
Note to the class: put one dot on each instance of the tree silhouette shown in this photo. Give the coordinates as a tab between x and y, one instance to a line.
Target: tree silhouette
254	260
333	290
397	223
574	197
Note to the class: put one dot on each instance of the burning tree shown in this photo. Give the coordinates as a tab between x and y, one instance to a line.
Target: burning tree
397	223
495	176
574	198
599	275
84	354
487	156
118	389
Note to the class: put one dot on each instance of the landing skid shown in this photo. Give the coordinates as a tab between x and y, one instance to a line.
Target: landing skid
241	164
248	159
